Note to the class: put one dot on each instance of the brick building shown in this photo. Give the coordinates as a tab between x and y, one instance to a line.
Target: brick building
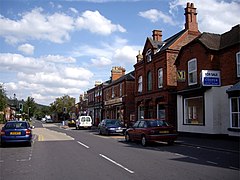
118	96
155	72
208	91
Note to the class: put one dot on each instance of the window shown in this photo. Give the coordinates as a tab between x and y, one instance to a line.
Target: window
235	112
120	90
192	72
238	64
149	81
140	112
113	93
149	55
193	108
140	84
161	112
160	78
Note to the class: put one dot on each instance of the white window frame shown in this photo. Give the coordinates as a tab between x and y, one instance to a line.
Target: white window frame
113	92
237	112
192	71
160	78
149	55
149	83
120	90
140	84
238	63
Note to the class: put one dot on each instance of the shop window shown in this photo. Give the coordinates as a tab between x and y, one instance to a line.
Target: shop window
192	71
238	64
193	108
140	84
160	78
235	112
149	81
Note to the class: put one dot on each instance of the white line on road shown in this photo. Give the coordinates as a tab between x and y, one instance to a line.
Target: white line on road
114	162
83	144
212	162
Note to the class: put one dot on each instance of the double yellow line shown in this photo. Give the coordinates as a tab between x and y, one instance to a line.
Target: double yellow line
40	137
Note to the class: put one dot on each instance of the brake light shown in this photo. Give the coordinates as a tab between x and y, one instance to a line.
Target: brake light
2	132
28	132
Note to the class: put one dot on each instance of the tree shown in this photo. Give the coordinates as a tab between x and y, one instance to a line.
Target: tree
62	106
3	98
29	106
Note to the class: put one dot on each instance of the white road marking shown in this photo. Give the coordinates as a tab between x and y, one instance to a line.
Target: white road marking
212	162
114	162
83	144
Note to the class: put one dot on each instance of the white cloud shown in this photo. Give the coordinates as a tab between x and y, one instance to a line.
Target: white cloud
96	23
73	10
213	15
101	61
155	15
27	49
58	59
36	25
40	77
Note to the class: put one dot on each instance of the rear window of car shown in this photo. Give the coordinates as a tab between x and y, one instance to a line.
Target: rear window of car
157	123
16	125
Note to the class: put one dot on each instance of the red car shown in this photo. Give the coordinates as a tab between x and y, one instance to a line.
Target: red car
151	130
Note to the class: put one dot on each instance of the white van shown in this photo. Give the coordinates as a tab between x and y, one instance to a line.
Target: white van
84	122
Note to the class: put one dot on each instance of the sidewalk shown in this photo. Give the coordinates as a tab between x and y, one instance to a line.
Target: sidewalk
226	144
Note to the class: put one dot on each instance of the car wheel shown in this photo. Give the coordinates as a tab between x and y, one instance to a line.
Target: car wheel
143	141
127	137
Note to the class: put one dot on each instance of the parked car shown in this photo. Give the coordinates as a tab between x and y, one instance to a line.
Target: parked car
16	132
84	122
151	130
111	126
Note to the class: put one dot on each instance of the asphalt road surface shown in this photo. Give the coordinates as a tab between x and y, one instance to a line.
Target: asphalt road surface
66	154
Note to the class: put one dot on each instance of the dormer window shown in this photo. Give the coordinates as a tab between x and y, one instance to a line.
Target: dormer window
149	55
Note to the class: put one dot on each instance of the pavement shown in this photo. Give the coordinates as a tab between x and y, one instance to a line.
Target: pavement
219	143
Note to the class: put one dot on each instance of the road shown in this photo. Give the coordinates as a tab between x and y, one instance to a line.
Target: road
83	154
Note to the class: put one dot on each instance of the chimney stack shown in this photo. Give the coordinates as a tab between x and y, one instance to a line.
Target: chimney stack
117	72
191	18
157	35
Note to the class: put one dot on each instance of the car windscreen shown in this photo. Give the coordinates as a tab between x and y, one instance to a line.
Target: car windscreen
157	123
113	122
16	125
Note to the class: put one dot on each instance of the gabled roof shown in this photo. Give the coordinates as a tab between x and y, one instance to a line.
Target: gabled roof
127	77
217	42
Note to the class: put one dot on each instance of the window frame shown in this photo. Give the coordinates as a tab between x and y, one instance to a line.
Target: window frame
235	112
149	81
238	63
148	55
140	84
194	71
160	78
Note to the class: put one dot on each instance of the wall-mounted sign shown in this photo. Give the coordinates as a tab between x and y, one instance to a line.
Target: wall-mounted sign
181	77
211	78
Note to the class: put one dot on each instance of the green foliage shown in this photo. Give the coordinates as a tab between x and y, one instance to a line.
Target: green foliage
64	102
3	98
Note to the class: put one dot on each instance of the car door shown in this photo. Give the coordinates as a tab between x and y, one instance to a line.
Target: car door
139	130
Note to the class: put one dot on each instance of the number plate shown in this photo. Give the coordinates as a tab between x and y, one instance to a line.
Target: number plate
15	133
119	130
163	132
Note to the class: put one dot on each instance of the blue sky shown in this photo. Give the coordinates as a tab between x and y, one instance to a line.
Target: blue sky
53	48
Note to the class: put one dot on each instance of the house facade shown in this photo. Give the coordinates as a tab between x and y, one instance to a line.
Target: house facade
155	72
118	97
208	88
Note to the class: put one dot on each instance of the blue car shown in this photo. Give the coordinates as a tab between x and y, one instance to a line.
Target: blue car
111	126
16	132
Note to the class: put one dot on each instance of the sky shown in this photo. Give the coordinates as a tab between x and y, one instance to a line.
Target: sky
49	49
